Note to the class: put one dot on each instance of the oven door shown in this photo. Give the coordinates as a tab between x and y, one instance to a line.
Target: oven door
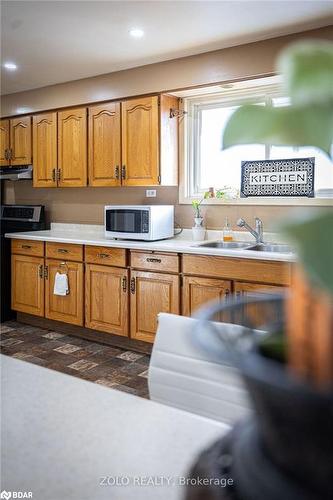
127	223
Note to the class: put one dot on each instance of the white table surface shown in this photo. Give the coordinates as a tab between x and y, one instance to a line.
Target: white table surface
61	435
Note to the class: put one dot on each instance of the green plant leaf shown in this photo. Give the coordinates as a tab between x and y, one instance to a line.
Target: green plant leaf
289	125
307	70
314	240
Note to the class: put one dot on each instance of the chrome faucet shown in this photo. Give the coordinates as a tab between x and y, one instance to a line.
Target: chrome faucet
258	233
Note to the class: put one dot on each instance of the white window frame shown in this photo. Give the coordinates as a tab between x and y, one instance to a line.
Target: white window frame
189	144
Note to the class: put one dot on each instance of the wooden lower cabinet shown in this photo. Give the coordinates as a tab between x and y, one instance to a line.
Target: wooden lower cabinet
68	308
107	299
28	284
256	315
199	291
150	294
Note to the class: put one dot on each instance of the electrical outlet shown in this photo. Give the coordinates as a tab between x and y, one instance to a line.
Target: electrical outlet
150	193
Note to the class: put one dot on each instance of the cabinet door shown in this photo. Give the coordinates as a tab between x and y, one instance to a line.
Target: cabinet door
104	145
4	143
44	127
28	284
20	141
68	308
107	299
140	142
256	315
72	147
199	291
151	293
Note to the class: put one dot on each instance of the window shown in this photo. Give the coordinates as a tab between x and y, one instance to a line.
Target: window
207	166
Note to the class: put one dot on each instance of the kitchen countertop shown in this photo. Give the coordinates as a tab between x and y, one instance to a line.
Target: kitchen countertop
85	234
61	435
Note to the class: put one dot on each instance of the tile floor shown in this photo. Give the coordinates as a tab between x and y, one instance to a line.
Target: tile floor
109	366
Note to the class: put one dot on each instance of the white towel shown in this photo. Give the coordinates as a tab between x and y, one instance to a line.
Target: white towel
61	284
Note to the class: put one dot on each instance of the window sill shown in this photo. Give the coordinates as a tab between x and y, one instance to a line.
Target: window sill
282	201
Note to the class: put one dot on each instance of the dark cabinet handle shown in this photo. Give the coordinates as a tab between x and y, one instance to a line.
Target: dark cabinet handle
41	271
103	255
26	246
54	177
62	250
132	285
124	283
123	172
153	259
116	172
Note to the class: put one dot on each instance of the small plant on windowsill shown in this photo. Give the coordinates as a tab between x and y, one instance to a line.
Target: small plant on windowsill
196	204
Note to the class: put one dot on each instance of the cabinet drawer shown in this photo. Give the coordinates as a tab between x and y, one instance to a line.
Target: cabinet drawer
28	247
105	255
155	261
263	271
64	251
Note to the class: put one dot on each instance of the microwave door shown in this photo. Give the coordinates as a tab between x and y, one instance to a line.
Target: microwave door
126	221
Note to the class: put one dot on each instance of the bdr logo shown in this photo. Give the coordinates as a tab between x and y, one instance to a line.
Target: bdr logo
15	494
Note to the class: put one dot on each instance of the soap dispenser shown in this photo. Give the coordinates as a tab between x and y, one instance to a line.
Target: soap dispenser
227	234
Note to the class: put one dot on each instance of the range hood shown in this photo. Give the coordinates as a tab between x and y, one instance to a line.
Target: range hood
16	173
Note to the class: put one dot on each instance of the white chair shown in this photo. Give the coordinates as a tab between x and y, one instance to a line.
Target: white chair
183	375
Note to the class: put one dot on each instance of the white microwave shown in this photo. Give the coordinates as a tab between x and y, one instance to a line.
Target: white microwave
139	222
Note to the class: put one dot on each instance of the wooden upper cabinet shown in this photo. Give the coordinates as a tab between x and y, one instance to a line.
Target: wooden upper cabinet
104	145
45	150
107	299
67	308
150	294
28	284
140	142
72	147
20	140
4	143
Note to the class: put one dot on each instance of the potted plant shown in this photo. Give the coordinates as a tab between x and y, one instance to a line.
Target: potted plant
285	450
198	230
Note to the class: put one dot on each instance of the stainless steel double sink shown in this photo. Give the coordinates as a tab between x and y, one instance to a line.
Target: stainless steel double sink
245	245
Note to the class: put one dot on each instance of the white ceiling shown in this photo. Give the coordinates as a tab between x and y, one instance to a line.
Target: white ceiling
57	41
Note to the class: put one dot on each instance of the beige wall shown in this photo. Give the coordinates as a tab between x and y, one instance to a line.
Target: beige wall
85	205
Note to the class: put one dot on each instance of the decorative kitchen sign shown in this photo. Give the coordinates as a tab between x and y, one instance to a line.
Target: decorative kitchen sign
291	177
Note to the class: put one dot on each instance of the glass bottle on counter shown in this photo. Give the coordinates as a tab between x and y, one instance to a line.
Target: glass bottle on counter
227	233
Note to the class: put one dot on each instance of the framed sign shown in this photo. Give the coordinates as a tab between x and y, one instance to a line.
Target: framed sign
290	177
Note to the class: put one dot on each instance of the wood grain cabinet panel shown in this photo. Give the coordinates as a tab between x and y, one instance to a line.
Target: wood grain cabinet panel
152	261
72	147
66	251
20	141
104	145
28	284
107	299
150	294
256	314
140	142
68	308
264	271
199	291
4	143
28	247
105	255
44	128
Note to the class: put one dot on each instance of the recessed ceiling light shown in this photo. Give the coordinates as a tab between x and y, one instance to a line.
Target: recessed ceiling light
136	33
10	65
